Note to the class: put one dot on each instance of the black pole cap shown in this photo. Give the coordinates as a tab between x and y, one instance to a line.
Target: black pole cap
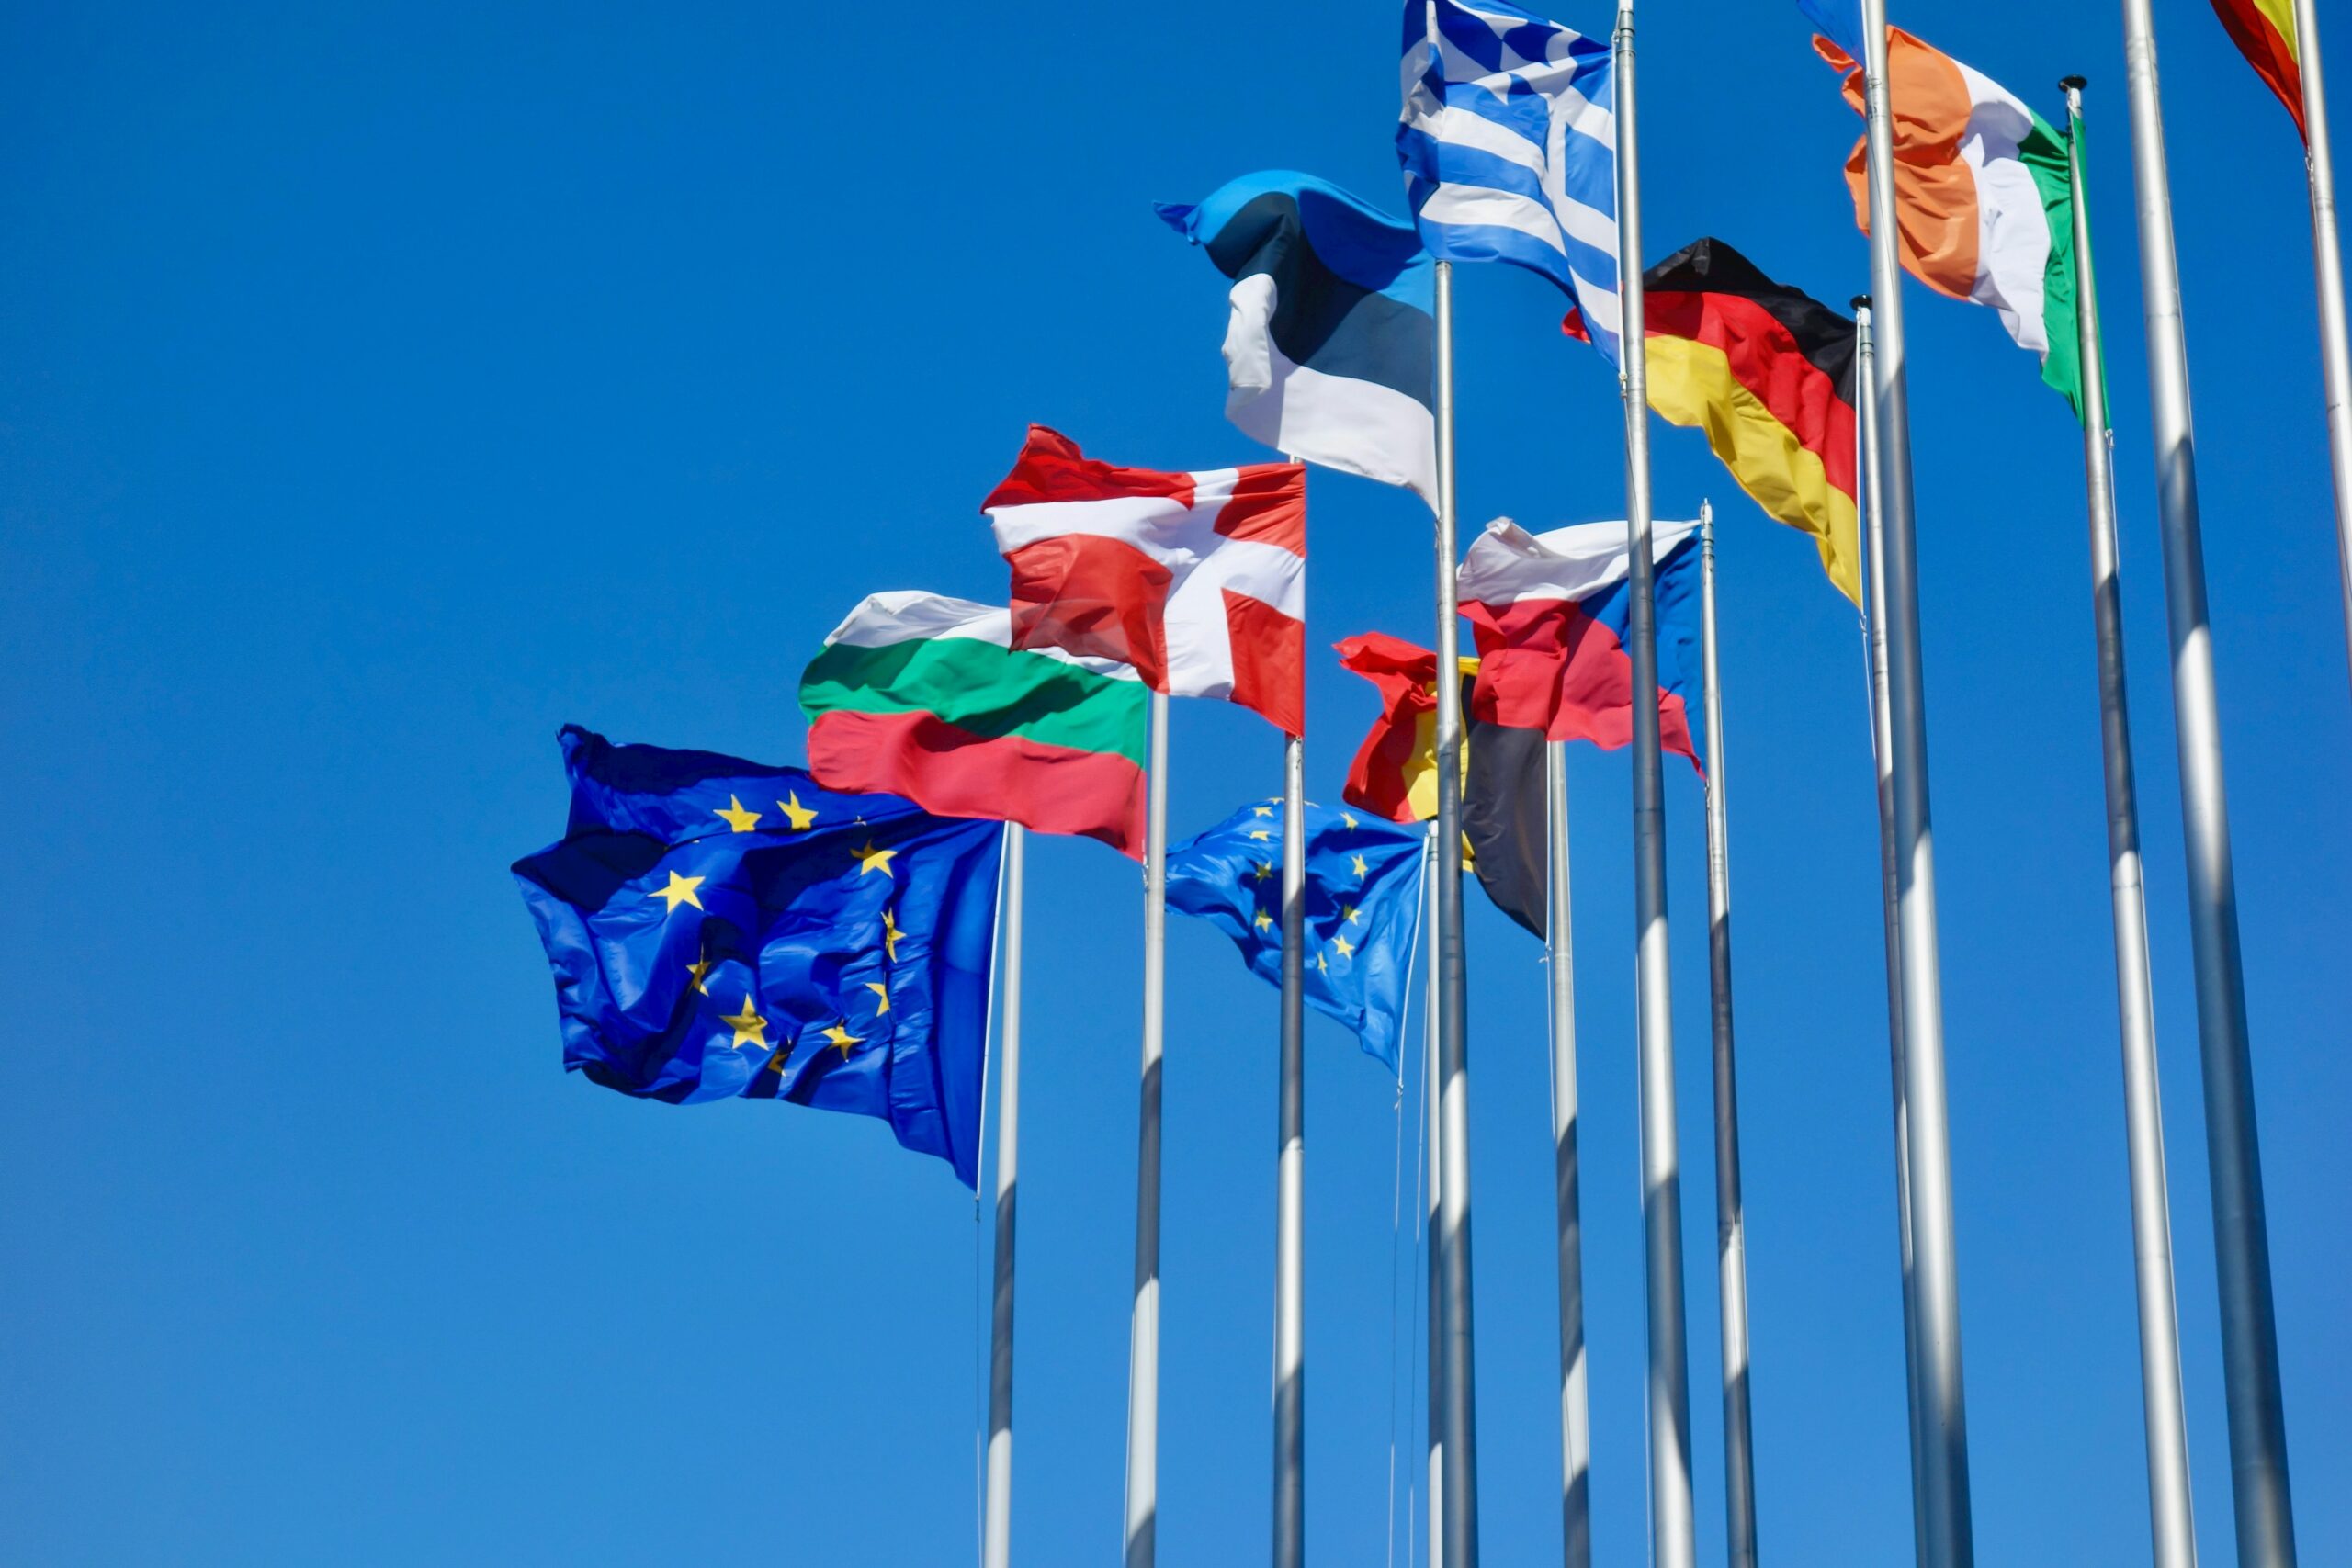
1862	301
2073	84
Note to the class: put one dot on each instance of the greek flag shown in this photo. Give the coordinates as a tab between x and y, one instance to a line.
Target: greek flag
1509	140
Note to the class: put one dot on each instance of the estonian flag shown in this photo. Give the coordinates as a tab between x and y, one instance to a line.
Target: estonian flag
1332	346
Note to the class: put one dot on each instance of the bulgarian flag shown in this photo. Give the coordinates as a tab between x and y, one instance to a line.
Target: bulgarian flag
1985	206
924	696
1197	579
2264	30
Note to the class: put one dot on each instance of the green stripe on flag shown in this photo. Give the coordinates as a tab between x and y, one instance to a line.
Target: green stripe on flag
983	688
2044	154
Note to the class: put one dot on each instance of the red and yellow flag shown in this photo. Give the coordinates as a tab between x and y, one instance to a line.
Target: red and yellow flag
2264	31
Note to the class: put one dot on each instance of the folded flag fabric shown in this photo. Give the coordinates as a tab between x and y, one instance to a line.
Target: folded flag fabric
1364	908
2264	31
1840	21
1984	202
1550	615
1332	346
1197	580
1768	373
925	696
719	928
1509	140
1394	773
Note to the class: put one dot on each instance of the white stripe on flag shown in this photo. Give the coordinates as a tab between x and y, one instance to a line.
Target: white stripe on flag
1357	427
1496	209
902	615
1506	563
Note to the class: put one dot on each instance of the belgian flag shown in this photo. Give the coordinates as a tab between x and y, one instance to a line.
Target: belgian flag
1768	373
1395	774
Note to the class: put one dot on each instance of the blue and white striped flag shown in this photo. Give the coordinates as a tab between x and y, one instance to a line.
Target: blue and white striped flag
1509	140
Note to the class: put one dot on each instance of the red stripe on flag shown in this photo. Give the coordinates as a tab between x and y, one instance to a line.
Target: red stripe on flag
1765	358
1269	661
952	773
1268	507
1093	596
1544	664
1051	468
1404	676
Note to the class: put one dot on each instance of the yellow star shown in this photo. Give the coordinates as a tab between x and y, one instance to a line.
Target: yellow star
738	819
1263	810
1360	866
1260	834
882	991
890	934
680	891
1320	967
844	1039
776	1062
750	1028
1263	920
798	814
700	969
1349	818
1348	912
1340	945
1265	869
871	859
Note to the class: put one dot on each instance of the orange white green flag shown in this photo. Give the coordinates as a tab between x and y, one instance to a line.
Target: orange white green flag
1985	204
2264	31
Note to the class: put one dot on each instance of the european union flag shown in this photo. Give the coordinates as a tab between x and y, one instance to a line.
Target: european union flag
720	928
1364	908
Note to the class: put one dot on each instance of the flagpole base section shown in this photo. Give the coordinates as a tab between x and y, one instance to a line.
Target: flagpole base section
1143	1341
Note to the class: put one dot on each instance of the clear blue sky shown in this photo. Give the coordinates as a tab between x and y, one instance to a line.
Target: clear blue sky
383	387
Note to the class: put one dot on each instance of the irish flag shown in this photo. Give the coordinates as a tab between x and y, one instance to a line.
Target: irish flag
1984	207
924	696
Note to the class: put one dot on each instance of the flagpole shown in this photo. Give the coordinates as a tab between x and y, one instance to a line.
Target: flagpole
1576	1422
2266	1527
1452	1244
1671	1543
2327	256
1143	1336
1731	1224
1890	893
1935	1265
996	1533
1433	1110
1290	1205
2171	1519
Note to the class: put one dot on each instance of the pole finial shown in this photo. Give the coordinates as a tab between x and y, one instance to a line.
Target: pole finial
2073	84
1862	301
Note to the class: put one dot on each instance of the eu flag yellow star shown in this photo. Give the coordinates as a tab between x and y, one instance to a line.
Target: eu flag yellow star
843	1039
1349	912
1265	869
1358	861
871	859
680	891
799	815
881	991
750	1028
1263	810
890	934
1349	818
1263	920
1260	835
700	971
1340	945
738	819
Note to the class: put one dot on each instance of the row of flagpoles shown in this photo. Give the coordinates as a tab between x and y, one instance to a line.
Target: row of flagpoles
904	662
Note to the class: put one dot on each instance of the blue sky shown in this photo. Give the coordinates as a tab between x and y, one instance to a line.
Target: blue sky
381	388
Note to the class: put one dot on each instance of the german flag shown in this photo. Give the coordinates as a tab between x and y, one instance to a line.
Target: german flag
2264	31
1394	773
1767	373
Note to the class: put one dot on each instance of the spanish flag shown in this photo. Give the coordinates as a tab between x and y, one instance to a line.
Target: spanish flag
2264	31
1767	373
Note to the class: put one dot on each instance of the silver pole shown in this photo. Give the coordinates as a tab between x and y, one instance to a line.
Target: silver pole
1453	1053
1671	1531
1935	1265
2170	1516
996	1531
1890	890
2328	254
1576	1421
1290	1202
1434	1112
2266	1527
1143	1334
1731	1224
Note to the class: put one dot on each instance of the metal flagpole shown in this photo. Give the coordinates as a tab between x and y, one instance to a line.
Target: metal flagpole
1576	1423
2327	256
1881	752
1731	1224
1434	1112
1143	1335
1290	1203
1672	1543
1943	1418
2170	1516
2265	1529
996	1531
1453	1242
